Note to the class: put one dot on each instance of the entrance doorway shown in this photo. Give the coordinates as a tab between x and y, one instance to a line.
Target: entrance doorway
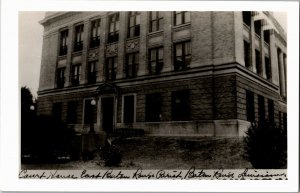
107	110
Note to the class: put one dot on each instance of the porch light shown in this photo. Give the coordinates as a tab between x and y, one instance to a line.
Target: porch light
93	102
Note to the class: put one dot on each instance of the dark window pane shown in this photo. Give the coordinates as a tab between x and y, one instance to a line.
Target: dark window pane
57	110
153	107
271	111
128	109
261	109
180	105
250	106
72	112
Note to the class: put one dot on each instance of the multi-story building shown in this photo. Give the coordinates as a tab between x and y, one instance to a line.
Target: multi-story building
169	73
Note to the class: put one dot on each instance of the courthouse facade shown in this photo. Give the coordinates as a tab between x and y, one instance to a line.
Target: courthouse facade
168	73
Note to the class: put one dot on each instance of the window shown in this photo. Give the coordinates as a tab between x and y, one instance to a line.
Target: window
63	49
92	71
76	72
247	18
156	60
95	34
128	111
60	77
180	105
132	62
78	42
261	109
271	111
156	21
258	62
72	112
113	34
247	54
267	36
153	107
90	113
111	68
257	27
56	110
268	68
181	17
182	55
285	121
134	24
250	106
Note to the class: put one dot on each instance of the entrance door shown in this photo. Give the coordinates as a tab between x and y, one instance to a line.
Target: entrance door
107	113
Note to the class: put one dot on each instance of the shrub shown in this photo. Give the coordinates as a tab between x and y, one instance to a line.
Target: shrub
111	154
266	146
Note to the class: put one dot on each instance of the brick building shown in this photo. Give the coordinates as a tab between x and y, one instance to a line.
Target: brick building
169	73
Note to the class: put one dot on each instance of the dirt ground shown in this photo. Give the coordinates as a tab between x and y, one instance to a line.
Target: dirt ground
166	153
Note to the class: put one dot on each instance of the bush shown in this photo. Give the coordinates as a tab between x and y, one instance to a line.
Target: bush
111	154
266	146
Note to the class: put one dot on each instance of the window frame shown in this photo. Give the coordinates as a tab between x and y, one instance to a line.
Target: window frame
63	42
95	35
183	15
159	62
60	80
77	74
114	21
180	112
183	65
136	27
92	74
111	73
78	38
159	19
153	112
134	107
134	64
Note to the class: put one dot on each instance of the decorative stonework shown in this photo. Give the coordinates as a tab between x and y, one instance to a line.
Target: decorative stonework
93	55
133	45
111	50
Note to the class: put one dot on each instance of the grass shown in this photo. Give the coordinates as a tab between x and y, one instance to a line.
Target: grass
168	153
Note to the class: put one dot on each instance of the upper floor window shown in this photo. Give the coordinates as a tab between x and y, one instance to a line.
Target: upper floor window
268	68
267	36
156	60
95	34
63	48
76	72
182	55
247	54
258	62
134	24
132	63
247	18
113	33
92	71
78	42
257	27
111	68
156	21
181	17
60	77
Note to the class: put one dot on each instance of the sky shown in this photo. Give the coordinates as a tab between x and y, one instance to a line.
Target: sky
30	46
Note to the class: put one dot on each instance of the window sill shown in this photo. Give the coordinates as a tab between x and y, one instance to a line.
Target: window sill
178	27
155	33
133	38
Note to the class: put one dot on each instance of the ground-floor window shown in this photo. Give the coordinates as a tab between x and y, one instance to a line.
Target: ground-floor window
180	105
250	106
89	112
57	110
153	107
271	110
261	109
72	112
285	121
128	108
